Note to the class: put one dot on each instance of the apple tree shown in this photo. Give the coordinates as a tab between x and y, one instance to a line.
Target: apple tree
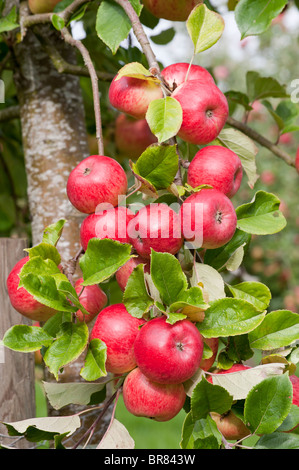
153	314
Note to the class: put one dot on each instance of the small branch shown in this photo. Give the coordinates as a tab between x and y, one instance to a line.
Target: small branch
62	66
141	36
261	140
42	18
98	419
113	413
70	268
7	114
94	82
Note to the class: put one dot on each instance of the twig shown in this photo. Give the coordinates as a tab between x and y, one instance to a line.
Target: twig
261	140
42	18
98	419
70	267
112	414
7	114
94	83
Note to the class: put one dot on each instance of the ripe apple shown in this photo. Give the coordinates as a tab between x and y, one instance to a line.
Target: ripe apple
92	298
96	180
42	6
145	398
122	274
230	426
168	354
23	301
111	223
132	136
213	343
295	383
133	95
118	330
208	219
205	111
216	166
173	10
176	74
155	226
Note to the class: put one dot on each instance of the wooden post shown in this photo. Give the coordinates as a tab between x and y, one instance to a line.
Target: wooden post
17	385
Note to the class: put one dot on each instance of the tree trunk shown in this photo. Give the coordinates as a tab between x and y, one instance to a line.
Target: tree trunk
54	141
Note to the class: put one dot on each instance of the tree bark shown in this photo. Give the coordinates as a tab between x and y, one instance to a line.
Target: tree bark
54	141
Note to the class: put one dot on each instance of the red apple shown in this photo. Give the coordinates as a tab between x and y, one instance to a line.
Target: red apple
132	95
132	136
122	274
176	74
111	223
92	298
208	219
295	383
213	343
144	398
42	6
157	227
168	354
21	300
205	111
96	180
216	166
118	330
173	10
297	160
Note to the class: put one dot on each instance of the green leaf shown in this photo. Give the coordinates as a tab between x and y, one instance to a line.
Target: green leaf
192	297
158	164
63	394
278	440
284	115
45	251
164	37
44	290
207	398
69	291
164	117
259	87
200	434
219	257
261	216
210	280
136	297
9	22
109	13
136	70
39	429
167	276
53	232
291	421
102	259
279	328
205	28
229	317
57	22
256	293
39	266
70	343
53	325
244	147
26	338
94	365
255	16
268	404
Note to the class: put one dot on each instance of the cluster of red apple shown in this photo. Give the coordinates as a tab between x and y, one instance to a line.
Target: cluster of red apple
156	356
